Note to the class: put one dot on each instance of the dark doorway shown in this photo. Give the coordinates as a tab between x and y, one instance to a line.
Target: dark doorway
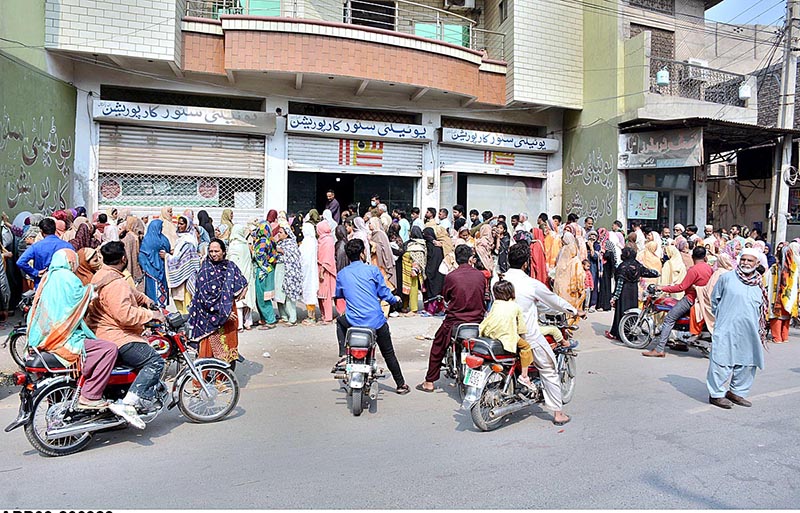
307	191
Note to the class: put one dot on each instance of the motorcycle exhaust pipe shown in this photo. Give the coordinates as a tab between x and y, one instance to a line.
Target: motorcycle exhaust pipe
80	429
510	408
373	390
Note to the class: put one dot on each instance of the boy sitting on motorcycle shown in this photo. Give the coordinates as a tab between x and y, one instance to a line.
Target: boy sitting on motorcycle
506	323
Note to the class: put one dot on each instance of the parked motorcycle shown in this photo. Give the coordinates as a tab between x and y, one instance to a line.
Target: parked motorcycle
17	339
204	389
637	326
493	390
359	369
455	356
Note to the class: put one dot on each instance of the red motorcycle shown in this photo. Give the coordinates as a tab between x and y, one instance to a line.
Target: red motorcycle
204	389
637	326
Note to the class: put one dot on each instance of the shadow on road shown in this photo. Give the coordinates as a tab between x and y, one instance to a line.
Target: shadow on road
691	387
246	370
657	482
796	369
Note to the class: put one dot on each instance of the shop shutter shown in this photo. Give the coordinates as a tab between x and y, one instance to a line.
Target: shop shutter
329	155
465	160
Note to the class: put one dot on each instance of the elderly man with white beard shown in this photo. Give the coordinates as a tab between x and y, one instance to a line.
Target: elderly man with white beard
739	303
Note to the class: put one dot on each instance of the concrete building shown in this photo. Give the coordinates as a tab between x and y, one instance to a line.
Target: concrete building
262	104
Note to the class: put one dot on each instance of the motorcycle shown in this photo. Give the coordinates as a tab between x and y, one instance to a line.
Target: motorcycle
637	326
455	356
204	389
17	339
493	390
359	369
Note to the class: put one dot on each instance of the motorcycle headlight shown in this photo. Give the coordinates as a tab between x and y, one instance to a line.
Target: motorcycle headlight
160	346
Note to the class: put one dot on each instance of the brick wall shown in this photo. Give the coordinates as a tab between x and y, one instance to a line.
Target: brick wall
135	28
204	53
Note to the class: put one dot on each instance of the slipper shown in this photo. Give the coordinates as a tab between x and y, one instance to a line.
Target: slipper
422	388
609	336
403	390
561	423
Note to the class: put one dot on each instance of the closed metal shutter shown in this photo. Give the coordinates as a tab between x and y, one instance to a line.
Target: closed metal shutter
328	155
507	195
464	160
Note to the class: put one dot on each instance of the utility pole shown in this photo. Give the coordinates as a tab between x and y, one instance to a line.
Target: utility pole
780	189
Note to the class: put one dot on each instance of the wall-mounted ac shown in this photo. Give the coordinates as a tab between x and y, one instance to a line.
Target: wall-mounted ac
459	4
722	171
696	70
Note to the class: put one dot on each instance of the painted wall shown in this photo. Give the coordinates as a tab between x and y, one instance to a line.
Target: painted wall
23	21
37	127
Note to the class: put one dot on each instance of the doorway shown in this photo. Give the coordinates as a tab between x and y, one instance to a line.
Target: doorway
307	190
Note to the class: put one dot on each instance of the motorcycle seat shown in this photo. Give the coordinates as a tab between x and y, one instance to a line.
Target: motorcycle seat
42	361
491	347
465	331
360	337
121	370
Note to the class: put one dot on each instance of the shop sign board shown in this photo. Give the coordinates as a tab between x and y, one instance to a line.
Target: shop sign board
661	149
357	129
497	141
172	116
642	204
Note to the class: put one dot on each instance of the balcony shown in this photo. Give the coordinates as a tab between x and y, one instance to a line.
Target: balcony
400	16
697	82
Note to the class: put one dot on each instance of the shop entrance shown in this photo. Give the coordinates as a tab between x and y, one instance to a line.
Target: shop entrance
675	203
307	190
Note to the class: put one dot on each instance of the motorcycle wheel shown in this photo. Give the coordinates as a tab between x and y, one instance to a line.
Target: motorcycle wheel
18	346
358	401
193	402
480	410
462	388
633	336
447	362
48	409
567	368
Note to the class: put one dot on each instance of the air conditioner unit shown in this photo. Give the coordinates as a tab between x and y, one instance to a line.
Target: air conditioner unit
459	4
696	70
722	171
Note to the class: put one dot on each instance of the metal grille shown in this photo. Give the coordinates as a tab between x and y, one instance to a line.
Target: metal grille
696	82
662	42
665	6
156	190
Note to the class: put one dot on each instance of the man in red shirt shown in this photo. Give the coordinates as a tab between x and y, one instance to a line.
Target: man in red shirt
698	274
463	292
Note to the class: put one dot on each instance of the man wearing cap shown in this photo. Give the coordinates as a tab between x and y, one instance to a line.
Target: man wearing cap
678	230
739	303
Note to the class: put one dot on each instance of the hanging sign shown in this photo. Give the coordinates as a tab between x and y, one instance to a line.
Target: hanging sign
357	129
661	149
642	204
498	141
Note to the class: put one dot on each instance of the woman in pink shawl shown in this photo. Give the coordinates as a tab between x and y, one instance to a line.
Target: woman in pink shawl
326	258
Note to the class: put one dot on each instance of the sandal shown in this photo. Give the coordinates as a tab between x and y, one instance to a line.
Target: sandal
562	422
609	336
403	389
421	388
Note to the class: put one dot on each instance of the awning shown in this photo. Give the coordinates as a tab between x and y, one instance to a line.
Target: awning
718	136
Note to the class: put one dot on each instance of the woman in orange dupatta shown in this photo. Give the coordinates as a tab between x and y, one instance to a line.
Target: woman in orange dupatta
538	257
650	259
569	282
552	245
326	258
89	262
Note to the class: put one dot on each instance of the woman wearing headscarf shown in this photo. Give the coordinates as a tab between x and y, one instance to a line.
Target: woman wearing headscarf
110	233
308	255
552	244
341	260
204	220
782	291
265	257
134	232
183	265
272	218
448	248
227	221
152	251
382	257
484	244
701	311
673	271
538	265
770	255
297	228
89	262
56	325
626	293
61	228
569	282
607	254
414	263
434	279
313	217
649	258
168	228
326	256
83	237
327	216
212	315
288	276
360	231
239	253
72	230
502	241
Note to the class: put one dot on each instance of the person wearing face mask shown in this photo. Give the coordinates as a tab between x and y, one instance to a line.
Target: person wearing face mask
739	303
373	205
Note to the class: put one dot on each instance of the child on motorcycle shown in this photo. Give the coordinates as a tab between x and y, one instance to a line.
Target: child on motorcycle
506	323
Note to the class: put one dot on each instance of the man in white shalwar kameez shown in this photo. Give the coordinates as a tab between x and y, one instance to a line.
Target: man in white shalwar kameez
739	304
528	291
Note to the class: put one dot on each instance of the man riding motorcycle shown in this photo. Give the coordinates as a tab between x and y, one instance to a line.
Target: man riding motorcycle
363	287
118	314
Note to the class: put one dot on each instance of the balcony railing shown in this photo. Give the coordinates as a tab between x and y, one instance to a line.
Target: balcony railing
697	82
403	16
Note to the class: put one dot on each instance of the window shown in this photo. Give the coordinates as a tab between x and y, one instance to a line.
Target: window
373	13
503	8
453	34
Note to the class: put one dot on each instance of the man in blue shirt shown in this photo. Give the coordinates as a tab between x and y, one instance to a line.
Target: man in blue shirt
42	252
362	287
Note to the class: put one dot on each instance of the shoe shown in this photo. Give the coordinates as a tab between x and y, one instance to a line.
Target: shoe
720	402
308	322
738	400
394	314
654	354
127	412
97	404
681	348
609	336
526	382
146	406
592	310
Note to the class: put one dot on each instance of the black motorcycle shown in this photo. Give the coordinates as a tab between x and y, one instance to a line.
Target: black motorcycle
359	371
17	340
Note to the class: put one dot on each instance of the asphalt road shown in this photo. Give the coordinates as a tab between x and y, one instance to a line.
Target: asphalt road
642	436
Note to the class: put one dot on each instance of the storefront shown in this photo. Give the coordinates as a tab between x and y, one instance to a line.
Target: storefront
663	170
494	171
356	159
185	157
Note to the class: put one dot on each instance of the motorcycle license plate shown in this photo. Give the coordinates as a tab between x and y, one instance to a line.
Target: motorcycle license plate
358	367
475	377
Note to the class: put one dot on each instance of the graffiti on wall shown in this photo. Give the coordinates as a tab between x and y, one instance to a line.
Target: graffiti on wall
25	149
594	186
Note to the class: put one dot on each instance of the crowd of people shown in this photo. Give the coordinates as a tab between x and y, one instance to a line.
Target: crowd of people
240	274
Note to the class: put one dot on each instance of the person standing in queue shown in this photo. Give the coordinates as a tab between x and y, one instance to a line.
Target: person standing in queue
463	291
363	288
